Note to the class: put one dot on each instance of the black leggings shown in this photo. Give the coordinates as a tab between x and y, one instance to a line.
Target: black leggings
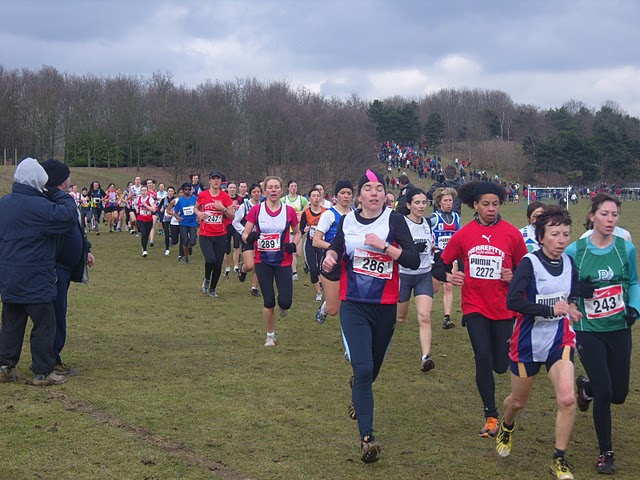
145	230
313	257
166	228
213	252
490	343
284	281
606	357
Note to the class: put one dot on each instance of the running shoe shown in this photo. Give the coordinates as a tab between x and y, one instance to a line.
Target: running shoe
427	363
605	463
306	268
295	276
119	230
180	258
504	440
64	369
283	312
583	401
144	253
318	297
132	232
236	271
151	243
370	449
490	428
205	286
320	316
186	260
447	324
255	292
242	276
561	468
271	341
167	252
226	275
7	374
213	294
53	378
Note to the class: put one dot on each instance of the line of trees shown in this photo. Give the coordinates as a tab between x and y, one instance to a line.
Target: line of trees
251	128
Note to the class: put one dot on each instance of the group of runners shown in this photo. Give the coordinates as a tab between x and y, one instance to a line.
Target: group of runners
528	297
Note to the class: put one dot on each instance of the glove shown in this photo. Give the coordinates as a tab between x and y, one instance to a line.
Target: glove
586	288
50	192
290	247
421	246
631	316
252	238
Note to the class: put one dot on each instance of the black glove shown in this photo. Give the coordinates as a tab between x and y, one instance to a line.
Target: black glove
631	316
586	288
252	238
51	191
290	247
421	246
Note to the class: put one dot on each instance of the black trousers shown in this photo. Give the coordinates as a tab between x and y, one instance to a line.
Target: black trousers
14	324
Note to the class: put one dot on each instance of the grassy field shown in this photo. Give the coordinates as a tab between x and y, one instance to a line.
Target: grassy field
172	384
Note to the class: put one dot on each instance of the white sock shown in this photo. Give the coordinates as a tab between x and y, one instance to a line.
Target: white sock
322	307
271	334
227	269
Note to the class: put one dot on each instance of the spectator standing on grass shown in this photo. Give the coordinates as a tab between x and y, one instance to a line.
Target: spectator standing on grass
544	291
370	244
609	305
72	258
490	249
29	224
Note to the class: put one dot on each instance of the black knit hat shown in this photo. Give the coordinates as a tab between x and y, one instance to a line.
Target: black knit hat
342	184
58	172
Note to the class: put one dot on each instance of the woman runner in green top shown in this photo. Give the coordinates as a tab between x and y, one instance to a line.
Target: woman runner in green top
607	270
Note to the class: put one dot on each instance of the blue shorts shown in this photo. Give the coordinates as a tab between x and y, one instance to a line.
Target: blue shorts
529	369
421	284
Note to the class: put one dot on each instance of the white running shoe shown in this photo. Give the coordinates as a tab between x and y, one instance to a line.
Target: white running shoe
295	277
144	253
271	341
167	252
318	297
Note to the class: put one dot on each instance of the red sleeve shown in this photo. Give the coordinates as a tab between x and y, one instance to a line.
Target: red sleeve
226	200
292	216
252	216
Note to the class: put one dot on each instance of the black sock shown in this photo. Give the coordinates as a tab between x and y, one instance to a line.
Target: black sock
508	427
558	453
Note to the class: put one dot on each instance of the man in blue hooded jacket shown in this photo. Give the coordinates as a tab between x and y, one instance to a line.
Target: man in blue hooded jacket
30	220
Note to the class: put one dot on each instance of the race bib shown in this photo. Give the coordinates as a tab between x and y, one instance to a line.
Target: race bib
442	241
485	267
312	231
214	218
188	210
606	301
269	242
550	300
378	265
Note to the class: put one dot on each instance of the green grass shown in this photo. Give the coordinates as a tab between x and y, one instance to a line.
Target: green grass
172	384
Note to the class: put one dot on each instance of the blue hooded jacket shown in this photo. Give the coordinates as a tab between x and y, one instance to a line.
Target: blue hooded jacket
29	224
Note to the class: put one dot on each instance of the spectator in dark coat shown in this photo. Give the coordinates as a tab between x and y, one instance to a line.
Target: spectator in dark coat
29	225
405	186
72	258
449	181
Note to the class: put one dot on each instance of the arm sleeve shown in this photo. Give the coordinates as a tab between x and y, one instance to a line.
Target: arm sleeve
303	222
516	296
409	258
326	219
292	215
634	288
237	220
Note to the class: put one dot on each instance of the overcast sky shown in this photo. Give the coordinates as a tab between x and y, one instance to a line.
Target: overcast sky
541	52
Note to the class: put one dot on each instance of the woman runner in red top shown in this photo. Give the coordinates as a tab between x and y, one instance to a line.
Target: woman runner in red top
211	207
490	249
